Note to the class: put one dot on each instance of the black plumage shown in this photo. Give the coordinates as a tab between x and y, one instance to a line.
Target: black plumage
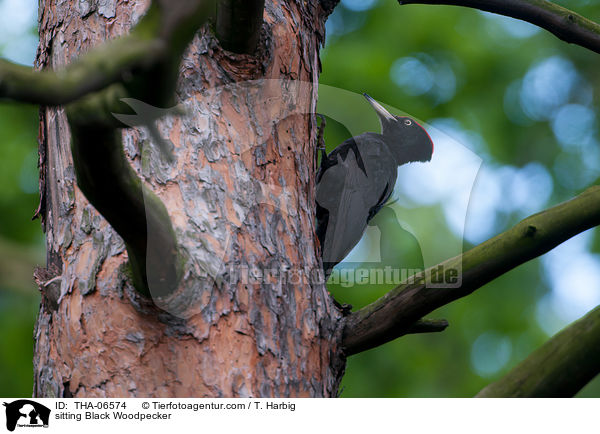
357	178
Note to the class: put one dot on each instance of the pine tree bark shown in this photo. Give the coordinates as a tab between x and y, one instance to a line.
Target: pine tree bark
240	195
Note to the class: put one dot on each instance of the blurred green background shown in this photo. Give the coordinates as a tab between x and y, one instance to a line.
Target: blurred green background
502	100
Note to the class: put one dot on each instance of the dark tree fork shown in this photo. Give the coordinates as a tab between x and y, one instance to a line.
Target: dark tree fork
122	222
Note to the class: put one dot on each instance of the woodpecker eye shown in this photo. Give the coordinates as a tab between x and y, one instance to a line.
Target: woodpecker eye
407	122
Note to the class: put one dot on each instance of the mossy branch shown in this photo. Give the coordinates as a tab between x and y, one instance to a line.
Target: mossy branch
392	315
116	61
152	50
563	23
559	368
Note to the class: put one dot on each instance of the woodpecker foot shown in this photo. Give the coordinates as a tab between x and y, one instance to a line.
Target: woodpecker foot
345	308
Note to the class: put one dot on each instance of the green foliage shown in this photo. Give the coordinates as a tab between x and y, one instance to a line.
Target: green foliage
17	316
18	172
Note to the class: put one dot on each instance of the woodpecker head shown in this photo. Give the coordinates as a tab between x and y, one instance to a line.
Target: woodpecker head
407	140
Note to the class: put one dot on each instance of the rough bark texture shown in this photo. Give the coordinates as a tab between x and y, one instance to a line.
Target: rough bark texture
240	194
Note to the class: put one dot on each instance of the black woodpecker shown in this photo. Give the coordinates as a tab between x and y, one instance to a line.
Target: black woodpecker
357	178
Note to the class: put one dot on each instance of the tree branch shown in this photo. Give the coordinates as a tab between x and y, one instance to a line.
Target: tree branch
559	368
152	50
239	23
563	23
390	316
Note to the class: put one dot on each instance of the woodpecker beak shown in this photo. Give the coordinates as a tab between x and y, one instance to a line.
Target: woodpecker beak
383	113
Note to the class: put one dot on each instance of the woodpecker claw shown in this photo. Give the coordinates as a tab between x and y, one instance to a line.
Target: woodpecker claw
345	308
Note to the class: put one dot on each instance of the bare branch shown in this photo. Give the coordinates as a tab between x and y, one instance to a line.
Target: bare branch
239	23
563	23
559	368
390	316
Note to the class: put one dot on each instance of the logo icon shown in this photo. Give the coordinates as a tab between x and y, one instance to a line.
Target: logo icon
26	413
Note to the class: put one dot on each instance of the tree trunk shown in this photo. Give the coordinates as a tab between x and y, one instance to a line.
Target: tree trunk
240	195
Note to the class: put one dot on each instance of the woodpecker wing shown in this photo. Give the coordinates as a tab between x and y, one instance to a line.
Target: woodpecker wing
343	192
342	150
353	184
381	167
